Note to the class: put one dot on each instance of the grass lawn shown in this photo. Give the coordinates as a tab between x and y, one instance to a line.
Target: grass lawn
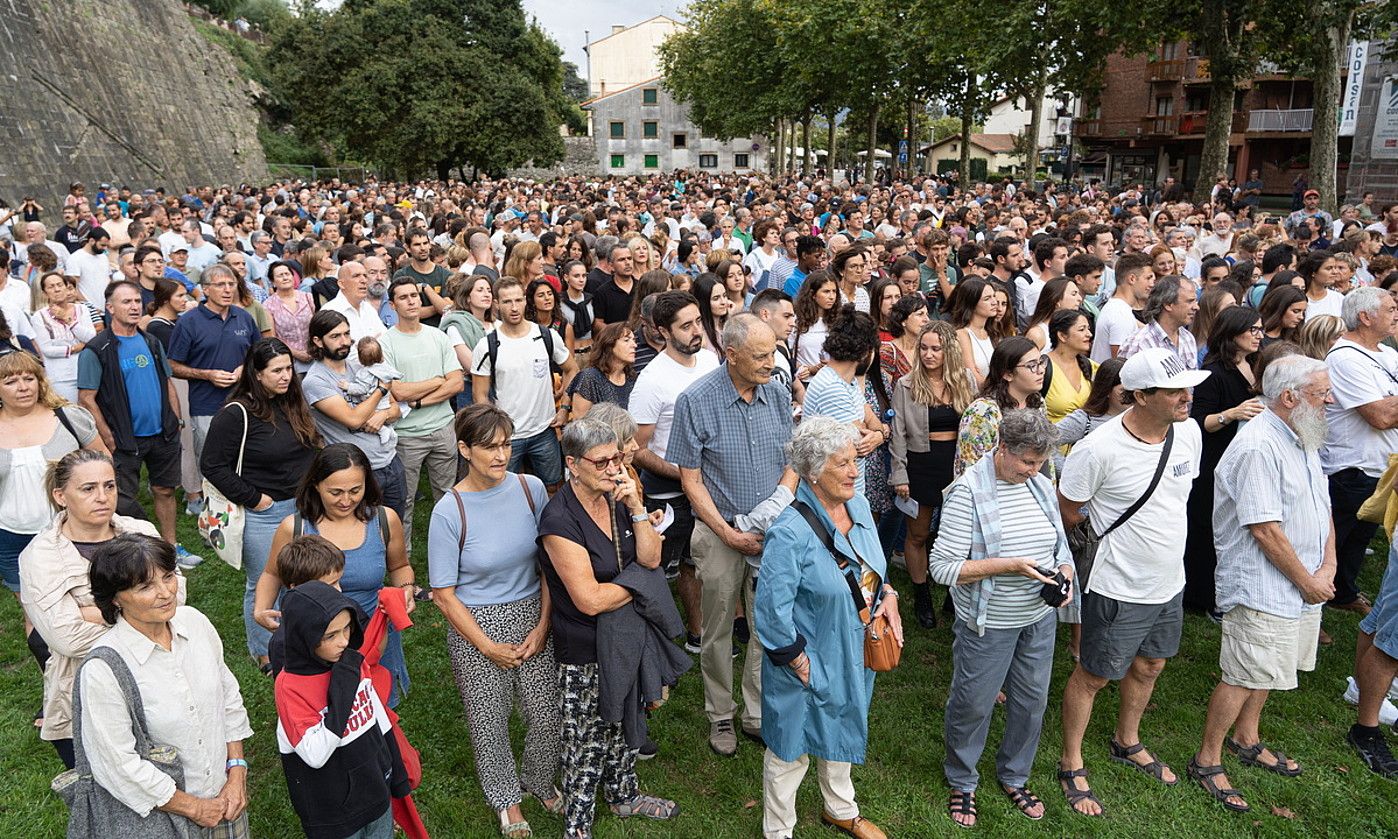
901	787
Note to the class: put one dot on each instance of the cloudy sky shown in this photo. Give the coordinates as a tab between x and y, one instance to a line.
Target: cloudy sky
567	20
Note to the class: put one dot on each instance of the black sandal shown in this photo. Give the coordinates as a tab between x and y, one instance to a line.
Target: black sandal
1205	775
1024	801
1076	796
1155	769
1252	756
961	803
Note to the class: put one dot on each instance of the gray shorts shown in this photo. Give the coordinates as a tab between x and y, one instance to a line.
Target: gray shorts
1115	632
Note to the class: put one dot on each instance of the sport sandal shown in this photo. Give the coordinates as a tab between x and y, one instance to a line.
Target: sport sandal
1252	756
1207	778
1076	796
1155	769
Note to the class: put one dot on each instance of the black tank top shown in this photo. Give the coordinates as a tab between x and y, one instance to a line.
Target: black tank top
942	418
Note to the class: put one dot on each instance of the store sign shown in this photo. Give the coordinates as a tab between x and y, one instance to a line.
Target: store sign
1385	140
1354	85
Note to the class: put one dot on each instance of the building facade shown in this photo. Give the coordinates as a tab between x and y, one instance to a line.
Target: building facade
1148	122
643	130
1374	155
627	55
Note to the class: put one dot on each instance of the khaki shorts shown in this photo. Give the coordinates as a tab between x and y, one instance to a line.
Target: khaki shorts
1264	652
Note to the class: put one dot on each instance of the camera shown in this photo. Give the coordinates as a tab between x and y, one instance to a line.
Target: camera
1056	593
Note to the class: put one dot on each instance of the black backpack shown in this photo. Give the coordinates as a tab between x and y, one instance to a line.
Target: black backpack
492	349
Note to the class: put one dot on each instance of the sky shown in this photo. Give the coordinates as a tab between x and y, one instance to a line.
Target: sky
567	20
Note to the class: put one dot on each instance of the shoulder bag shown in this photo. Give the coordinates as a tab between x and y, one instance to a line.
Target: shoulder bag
881	650
92	810
1084	538
221	521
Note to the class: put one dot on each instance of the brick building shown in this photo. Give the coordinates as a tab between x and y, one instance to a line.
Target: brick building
1148	121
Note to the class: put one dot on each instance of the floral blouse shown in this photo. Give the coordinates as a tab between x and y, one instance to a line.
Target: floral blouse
292	327
979	434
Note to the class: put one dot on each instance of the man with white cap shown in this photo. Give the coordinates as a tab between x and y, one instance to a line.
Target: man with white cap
1130	479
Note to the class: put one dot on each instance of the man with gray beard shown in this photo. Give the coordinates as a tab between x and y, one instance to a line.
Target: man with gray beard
1276	567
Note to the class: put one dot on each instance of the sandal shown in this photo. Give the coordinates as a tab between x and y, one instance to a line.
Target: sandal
1205	776
553	805
513	830
1076	796
961	803
1252	756
1155	769
1024	800
647	805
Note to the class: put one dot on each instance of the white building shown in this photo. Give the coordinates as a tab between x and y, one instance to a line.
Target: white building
627	56
1011	116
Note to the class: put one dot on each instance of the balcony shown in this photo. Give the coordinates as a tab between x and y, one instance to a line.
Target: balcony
1087	128
1166	125
1191	70
1187	124
1292	121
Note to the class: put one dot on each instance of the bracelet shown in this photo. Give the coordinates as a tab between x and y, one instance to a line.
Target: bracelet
640	517
890	592
236	762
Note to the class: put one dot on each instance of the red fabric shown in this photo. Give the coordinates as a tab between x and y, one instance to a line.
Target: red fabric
406	817
393	611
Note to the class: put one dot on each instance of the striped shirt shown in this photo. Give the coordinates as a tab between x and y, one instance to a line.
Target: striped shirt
1266	476
828	395
1025	531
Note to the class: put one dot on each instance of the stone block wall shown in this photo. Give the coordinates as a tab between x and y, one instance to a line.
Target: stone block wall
123	91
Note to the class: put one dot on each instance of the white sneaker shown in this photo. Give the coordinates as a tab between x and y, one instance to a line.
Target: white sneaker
1388	712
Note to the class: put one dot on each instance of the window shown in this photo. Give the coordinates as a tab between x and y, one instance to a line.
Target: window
649	95
740	161
708	161
1164	106
652	161
618	161
650	130
681	141
618	130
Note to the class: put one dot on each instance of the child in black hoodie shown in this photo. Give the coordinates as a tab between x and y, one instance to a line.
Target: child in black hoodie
339	756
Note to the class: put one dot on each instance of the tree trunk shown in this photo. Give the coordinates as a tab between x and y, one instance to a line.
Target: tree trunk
1036	116
808	160
911	140
1213	161
830	145
1325	122
964	170
443	170
872	145
775	162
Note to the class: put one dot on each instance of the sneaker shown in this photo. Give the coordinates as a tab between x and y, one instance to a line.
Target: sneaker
722	738
691	644
741	633
897	560
193	506
1388	712
1216	616
1375	753
648	750
737	651
1393	691
185	559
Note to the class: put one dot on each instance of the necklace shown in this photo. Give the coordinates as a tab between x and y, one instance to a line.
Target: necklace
1137	437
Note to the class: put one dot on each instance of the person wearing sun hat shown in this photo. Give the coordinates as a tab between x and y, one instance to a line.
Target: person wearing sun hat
1131	480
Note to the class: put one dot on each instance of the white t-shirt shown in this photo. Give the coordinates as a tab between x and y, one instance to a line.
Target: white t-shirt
759	263
1028	287
658	387
16	296
1328	305
1115	323
523	380
1143	560
93	273
1358	377
363	320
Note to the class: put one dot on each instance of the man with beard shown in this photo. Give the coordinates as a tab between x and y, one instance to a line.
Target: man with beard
91	266
1276	567
342	419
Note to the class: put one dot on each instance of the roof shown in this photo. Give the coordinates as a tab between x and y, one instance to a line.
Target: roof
600	96
633	26
993	143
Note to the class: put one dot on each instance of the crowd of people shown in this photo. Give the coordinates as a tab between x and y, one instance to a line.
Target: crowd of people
696	414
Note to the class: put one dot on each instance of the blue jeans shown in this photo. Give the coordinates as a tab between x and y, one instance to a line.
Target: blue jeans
380	828
545	457
257	545
391	485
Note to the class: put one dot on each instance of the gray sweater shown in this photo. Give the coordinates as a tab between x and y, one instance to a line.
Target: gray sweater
636	653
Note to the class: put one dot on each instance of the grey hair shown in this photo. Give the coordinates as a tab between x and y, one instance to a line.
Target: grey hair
214	270
602	248
738	329
816	440
615	416
1362	301
1025	430
583	435
1165	293
1290	372
258	236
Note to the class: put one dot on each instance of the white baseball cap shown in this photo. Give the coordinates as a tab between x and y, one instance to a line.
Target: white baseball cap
1157	367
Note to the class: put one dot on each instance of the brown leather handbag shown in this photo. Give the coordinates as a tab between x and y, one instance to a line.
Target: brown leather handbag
882	652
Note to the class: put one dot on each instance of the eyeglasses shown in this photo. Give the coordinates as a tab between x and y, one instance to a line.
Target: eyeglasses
1038	365
605	463
1257	330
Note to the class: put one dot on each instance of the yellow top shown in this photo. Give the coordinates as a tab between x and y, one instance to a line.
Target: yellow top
1063	398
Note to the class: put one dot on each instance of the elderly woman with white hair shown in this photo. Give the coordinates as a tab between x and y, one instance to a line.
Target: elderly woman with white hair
815	686
1000	544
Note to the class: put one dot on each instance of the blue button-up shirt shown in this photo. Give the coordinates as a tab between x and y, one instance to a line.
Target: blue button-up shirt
206	341
1266	476
739	446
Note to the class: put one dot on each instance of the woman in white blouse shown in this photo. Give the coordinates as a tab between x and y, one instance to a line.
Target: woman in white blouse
191	698
62	327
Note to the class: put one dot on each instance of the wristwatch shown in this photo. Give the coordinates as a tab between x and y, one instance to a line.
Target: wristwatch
235	762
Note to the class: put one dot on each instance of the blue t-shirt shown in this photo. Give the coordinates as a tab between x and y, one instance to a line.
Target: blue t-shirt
500	562
205	341
141	378
794	282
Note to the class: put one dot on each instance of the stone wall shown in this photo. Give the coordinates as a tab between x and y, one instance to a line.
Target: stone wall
1366	173
123	91
579	158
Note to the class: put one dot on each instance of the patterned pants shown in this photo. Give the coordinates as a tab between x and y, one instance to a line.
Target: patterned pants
490	693
593	752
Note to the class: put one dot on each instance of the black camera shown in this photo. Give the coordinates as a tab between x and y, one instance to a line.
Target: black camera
1056	593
